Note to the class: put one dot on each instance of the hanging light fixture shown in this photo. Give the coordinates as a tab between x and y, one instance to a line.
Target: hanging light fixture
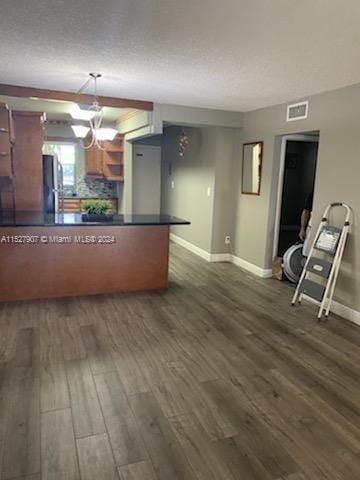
93	114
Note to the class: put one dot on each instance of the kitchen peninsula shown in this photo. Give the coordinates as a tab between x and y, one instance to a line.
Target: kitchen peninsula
59	255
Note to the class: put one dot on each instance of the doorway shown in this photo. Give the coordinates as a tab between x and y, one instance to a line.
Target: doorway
296	184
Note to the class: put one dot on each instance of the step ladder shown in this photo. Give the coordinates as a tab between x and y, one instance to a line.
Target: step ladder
330	240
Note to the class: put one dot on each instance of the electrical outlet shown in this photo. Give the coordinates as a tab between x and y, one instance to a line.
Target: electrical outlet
173	184
209	191
227	240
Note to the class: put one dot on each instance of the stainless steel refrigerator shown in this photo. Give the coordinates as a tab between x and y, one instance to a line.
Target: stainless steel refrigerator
53	184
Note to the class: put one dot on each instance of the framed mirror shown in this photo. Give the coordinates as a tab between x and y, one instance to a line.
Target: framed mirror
251	168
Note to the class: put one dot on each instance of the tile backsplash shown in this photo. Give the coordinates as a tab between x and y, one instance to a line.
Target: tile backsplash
91	187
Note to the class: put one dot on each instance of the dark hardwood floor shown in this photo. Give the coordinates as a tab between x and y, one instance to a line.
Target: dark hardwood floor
216	379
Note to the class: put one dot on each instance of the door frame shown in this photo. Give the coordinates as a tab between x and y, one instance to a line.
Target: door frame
296	137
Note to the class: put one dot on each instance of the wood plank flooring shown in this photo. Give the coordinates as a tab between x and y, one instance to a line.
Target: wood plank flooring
217	378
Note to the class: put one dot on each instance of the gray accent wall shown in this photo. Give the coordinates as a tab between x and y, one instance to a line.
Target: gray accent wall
336	115
207	163
191	175
227	157
214	159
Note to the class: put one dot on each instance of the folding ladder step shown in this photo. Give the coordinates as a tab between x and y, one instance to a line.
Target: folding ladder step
312	289
328	239
319	267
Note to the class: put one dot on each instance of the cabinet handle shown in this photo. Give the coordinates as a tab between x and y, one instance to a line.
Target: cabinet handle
4	154
4	130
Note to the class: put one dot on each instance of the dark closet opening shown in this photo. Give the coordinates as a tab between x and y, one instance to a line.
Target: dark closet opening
298	183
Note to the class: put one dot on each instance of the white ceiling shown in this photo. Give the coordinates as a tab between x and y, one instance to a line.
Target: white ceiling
229	54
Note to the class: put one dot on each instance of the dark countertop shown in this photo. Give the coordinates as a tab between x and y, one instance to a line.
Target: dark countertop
94	197
39	219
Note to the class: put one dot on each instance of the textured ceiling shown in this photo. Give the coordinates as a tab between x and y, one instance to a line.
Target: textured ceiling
232	54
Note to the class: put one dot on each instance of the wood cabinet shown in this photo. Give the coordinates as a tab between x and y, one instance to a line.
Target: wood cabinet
137	260
21	179
5	142
6	164
107	162
93	163
27	160
74	204
7	197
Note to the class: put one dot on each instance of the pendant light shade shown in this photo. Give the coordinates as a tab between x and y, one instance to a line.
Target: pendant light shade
80	131
82	112
106	134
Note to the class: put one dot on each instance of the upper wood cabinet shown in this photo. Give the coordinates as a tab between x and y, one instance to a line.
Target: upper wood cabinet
107	162
94	163
27	160
5	142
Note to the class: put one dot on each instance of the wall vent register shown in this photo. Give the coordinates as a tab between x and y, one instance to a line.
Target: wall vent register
297	111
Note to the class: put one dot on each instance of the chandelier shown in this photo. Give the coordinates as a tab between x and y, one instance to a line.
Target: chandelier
92	119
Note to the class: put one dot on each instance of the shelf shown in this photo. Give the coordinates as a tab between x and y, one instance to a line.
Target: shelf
114	171
95	175
106	163
114	150
116	178
113	155
118	164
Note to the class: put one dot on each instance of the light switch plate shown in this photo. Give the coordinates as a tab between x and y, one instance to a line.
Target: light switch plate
209	192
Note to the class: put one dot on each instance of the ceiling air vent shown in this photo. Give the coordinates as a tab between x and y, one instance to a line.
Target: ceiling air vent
297	111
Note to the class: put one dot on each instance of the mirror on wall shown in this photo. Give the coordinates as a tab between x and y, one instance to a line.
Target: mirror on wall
251	168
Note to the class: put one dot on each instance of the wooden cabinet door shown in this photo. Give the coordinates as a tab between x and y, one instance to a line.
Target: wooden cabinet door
7	200
5	164
4	119
94	162
27	161
5	145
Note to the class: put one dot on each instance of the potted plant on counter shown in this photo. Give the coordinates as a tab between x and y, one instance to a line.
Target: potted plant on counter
95	211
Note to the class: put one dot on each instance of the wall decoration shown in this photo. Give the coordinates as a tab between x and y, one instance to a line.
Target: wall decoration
183	143
251	168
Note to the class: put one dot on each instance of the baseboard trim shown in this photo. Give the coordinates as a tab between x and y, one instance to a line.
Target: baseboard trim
221	257
345	312
336	307
340	309
191	247
250	267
